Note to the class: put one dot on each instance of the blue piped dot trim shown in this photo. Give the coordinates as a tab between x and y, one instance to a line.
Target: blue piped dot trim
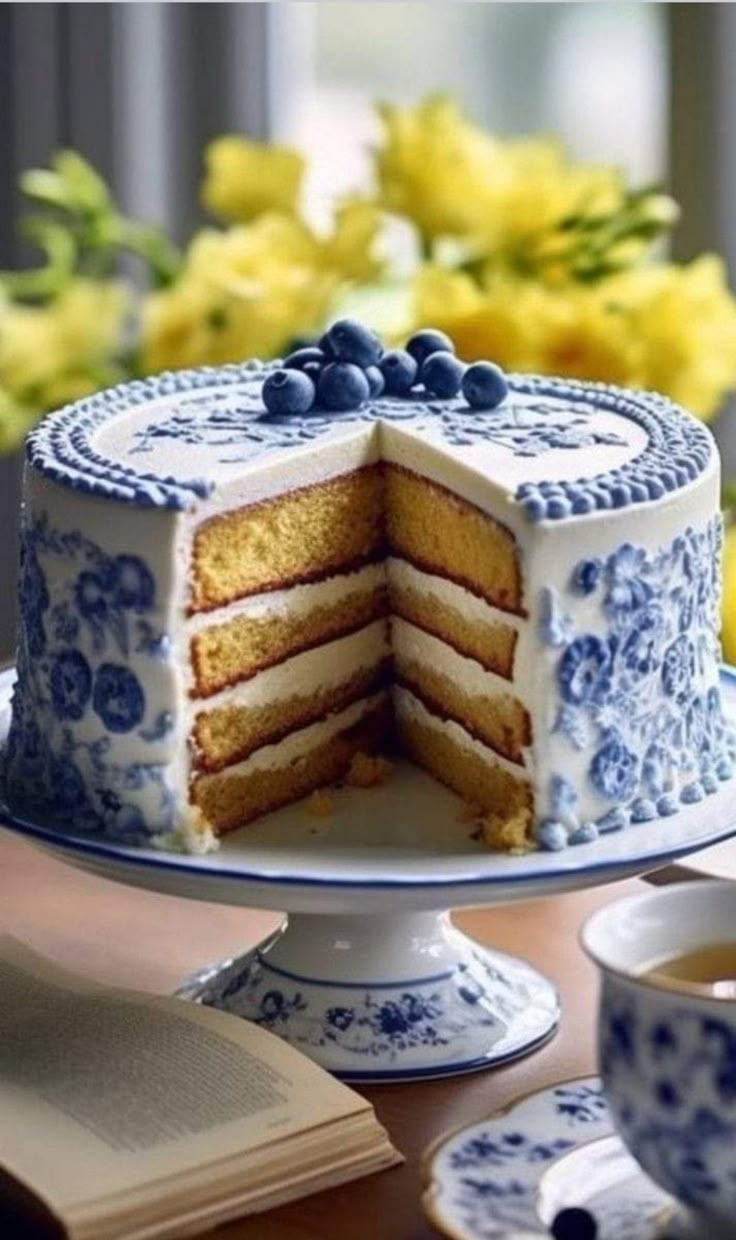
679	448
678	451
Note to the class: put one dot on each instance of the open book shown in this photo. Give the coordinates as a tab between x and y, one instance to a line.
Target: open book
134	1116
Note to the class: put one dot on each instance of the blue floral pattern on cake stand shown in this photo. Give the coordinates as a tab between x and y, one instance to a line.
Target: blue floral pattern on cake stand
407	1018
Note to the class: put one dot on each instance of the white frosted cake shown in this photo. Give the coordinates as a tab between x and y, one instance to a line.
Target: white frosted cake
225	606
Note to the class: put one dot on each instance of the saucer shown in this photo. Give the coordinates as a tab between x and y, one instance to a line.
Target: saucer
508	1176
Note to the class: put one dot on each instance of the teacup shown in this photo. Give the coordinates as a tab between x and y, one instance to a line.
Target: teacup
668	1054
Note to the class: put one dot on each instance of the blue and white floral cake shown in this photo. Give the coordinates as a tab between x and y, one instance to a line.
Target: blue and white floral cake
172	526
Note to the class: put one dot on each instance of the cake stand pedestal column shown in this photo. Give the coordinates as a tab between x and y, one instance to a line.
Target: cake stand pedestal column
386	997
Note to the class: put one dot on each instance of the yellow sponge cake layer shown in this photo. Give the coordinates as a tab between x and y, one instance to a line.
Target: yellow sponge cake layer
450	612
459	688
441	533
223	654
299	536
278	774
463	764
230	733
299	691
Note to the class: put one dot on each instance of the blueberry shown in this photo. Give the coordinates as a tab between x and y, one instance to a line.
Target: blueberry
314	370
574	1223
399	369
351	341
288	392
299	359
342	386
484	385
325	345
376	381
428	341
442	374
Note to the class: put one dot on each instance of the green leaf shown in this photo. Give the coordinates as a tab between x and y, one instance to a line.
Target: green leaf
60	248
45	187
86	188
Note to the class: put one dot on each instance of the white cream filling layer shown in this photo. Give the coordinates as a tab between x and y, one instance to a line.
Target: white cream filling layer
469	676
446	593
300	743
294	600
323	667
409	707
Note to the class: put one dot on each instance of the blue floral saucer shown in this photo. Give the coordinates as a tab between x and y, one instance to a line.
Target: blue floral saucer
507	1177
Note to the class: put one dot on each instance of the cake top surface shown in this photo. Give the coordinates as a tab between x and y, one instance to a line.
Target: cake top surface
558	449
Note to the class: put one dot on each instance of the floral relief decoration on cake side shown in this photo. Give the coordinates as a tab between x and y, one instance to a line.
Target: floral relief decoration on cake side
73	668
635	695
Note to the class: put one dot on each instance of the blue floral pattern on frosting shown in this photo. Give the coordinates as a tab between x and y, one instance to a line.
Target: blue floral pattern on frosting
223	407
59	773
637	695
118	698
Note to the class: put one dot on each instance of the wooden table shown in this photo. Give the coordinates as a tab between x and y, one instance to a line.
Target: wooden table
148	941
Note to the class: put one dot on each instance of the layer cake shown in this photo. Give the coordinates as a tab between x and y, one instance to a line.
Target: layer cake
222	606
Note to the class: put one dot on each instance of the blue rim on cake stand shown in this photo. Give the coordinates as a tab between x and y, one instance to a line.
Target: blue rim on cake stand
367	974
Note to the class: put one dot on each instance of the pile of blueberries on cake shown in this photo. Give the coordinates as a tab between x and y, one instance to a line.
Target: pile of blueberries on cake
349	366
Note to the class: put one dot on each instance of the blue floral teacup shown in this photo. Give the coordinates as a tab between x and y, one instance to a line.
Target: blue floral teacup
667	1054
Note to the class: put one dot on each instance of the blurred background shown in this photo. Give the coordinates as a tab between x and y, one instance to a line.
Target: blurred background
140	88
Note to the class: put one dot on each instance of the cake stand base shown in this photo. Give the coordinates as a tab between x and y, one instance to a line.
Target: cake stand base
385	998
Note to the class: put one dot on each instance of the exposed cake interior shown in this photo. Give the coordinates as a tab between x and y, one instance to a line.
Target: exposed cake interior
336	617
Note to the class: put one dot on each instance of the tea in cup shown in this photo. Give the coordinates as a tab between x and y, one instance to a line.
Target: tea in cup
667	1040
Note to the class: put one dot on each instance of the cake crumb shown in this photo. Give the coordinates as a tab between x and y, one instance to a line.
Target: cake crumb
367	771
321	804
508	833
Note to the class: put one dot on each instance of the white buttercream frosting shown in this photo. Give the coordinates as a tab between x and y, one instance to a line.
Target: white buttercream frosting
448	594
408	706
411	643
301	742
294	602
323	667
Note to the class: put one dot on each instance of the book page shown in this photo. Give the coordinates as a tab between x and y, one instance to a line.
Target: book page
102	1090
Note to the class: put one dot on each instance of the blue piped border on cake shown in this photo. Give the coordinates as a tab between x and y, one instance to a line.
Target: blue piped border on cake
678	451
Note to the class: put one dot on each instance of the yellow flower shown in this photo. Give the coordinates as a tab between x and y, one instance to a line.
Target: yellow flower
434	167
728	631
249	290
505	198
244	179
685	320
664	327
65	348
500	323
527	326
244	292
351	249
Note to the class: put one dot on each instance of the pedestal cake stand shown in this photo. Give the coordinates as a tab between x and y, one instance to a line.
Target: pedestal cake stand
367	974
